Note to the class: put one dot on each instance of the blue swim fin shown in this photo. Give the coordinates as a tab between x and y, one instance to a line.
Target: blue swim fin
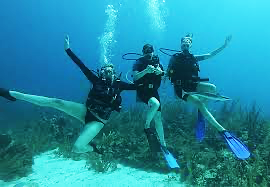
200	127
236	145
171	161
155	147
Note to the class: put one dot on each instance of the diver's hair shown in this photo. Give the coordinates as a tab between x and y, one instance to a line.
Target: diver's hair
189	36
146	47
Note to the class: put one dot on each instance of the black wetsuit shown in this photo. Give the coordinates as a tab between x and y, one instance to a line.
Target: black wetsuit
183	71
104	97
148	85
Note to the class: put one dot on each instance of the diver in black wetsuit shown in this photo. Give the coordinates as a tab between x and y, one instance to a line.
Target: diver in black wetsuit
103	98
183	71
147	76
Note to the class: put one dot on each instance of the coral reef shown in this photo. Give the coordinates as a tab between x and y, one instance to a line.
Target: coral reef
122	141
15	159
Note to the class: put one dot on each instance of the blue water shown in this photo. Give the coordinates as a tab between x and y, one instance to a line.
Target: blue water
33	60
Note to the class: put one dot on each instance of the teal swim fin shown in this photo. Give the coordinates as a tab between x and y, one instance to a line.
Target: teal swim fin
171	161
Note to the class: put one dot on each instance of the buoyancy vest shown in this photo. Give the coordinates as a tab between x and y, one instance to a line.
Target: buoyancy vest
105	96
183	67
149	78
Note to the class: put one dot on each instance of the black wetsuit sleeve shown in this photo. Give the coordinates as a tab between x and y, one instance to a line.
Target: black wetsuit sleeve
87	72
127	86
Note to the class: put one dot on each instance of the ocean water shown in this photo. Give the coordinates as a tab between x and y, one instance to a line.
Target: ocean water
33	59
32	36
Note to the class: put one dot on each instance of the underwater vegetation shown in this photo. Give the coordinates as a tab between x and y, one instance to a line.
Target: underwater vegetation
16	159
122	141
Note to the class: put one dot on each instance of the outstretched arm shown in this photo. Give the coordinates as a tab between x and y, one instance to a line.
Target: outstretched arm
215	52
87	72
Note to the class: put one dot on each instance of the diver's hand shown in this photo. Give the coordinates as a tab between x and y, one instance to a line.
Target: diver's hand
228	39
158	71
66	44
150	69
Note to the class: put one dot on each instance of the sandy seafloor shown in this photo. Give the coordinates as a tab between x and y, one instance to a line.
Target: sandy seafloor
50	170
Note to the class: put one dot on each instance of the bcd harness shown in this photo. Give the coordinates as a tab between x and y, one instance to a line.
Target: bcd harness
183	68
150	81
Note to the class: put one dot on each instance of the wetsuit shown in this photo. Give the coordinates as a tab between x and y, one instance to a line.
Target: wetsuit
183	71
104	97
147	86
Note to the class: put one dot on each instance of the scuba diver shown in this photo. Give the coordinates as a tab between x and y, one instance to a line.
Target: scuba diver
147	74
103	99
183	72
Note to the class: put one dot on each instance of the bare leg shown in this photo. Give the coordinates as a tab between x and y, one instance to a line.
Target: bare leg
90	131
206	87
159	128
76	110
154	105
205	112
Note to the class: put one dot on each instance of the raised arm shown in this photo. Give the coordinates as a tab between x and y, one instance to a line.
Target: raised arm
87	72
215	52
